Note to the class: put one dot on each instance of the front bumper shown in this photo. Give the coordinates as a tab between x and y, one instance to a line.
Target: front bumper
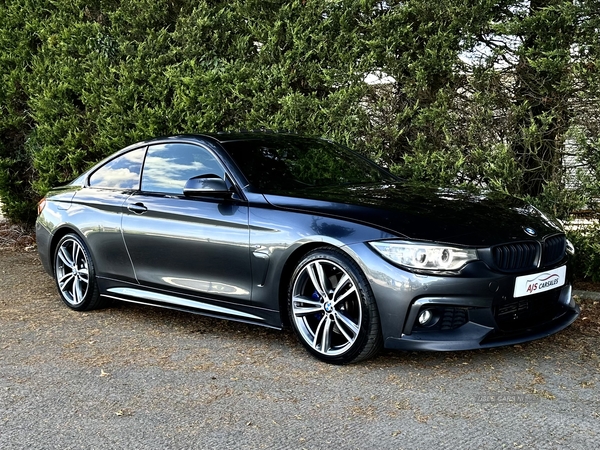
483	330
475	309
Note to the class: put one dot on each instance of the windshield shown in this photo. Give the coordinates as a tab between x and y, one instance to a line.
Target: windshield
290	163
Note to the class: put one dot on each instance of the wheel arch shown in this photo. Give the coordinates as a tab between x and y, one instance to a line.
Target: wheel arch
58	235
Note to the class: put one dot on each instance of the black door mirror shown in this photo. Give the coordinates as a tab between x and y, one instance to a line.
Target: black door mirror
209	185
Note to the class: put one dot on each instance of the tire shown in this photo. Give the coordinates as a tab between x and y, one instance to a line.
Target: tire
332	308
75	275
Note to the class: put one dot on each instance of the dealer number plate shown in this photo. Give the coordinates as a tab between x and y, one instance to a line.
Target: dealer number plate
540	282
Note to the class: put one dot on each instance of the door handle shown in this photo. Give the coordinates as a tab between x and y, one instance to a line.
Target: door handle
137	208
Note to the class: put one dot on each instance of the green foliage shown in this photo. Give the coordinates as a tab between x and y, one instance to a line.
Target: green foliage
501	94
586	262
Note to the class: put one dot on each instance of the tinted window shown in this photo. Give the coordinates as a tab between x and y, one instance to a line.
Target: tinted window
169	166
122	172
289	163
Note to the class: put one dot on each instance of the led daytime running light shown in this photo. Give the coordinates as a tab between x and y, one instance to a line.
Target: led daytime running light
424	256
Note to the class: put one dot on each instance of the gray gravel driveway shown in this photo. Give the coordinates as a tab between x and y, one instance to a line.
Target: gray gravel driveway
136	377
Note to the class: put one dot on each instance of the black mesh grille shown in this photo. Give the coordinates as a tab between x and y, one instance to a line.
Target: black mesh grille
527	312
515	257
554	250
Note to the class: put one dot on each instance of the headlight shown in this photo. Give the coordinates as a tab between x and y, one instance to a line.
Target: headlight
424	256
570	248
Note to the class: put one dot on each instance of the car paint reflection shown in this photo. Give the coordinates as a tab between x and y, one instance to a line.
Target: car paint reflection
205	286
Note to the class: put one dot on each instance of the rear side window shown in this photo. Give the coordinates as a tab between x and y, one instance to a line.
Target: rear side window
168	167
123	172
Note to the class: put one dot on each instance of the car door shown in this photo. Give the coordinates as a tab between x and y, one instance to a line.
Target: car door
98	209
197	246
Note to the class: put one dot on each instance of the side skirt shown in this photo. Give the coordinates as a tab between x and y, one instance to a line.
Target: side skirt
240	313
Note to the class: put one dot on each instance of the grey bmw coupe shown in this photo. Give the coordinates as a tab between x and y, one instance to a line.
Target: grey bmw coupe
277	229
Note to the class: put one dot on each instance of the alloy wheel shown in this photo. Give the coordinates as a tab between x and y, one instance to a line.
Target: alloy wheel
326	307
72	272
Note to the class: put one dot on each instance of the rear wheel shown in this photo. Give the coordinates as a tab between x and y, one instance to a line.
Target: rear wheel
332	308
75	276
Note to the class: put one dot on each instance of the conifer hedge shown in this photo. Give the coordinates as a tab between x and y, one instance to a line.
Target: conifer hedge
502	94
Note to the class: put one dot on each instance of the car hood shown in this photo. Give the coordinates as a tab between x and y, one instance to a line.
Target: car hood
424	212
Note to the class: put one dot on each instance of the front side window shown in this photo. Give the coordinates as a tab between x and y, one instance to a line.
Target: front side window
169	166
122	172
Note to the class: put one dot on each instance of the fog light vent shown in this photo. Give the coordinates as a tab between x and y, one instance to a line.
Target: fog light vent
453	318
441	318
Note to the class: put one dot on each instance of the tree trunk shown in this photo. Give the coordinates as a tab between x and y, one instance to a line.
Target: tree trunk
542	114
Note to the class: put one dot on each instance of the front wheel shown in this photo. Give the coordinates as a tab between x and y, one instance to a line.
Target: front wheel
332	308
75	276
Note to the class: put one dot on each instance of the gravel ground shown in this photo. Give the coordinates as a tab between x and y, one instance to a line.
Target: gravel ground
137	377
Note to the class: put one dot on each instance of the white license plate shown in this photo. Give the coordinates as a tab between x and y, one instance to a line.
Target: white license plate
540	282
